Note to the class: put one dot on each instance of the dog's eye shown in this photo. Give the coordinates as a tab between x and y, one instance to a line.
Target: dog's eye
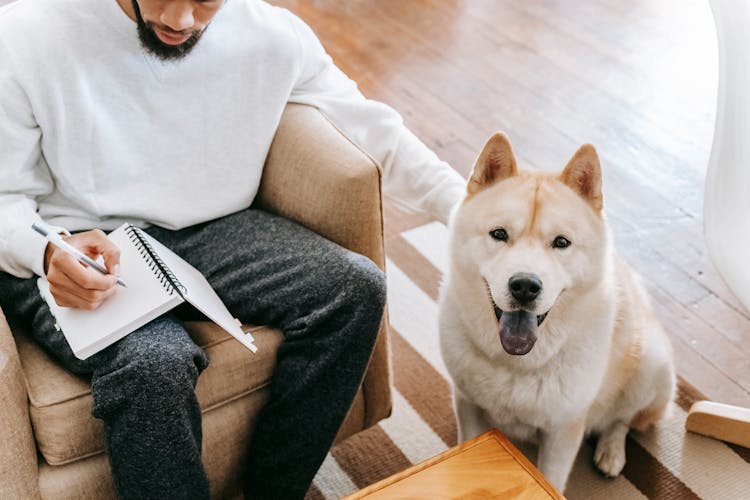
561	242
499	234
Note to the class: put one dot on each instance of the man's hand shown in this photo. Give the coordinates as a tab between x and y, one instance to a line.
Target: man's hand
73	284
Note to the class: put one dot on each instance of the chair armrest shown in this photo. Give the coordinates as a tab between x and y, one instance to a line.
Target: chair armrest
18	462
317	177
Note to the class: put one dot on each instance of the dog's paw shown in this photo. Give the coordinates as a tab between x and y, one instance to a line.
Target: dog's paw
610	455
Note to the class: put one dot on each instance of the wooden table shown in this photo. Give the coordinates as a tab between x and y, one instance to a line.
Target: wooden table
488	466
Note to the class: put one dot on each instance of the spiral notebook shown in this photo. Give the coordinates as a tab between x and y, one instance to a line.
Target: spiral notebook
157	281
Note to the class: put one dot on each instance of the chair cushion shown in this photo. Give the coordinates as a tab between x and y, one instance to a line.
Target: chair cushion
60	402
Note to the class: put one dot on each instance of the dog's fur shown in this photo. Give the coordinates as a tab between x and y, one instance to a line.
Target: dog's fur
599	361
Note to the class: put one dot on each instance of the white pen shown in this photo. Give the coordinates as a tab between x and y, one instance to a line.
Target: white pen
57	240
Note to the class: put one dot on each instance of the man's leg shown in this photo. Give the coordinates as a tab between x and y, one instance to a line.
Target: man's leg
142	388
329	304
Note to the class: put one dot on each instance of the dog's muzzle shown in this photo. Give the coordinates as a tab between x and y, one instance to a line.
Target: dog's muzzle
499	312
517	329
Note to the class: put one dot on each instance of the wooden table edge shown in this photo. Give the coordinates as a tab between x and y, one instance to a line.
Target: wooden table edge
491	434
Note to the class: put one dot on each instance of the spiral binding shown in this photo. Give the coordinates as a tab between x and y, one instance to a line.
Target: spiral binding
167	278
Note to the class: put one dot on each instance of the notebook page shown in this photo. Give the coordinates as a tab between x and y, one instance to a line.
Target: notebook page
129	308
201	295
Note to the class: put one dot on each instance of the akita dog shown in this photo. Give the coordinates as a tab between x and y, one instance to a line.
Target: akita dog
546	333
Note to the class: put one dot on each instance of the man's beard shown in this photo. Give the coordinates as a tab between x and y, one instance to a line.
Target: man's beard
151	42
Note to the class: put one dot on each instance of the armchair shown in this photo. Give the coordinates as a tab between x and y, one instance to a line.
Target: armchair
51	446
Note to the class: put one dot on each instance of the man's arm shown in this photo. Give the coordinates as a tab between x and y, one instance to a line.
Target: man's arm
413	176
25	176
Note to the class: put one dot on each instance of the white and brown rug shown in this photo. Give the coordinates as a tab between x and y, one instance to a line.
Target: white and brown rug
665	463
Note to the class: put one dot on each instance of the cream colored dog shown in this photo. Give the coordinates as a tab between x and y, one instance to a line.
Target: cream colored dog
546	333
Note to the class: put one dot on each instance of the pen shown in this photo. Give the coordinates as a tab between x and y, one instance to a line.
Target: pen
56	240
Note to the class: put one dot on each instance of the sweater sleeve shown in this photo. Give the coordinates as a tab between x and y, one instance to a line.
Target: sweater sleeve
414	178
24	177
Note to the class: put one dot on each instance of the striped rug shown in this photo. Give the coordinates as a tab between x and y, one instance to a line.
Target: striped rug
665	463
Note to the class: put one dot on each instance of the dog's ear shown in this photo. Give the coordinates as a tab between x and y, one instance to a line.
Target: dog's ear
583	174
495	163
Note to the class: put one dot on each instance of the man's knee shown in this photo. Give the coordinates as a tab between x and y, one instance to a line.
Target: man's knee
359	290
360	300
366	281
157	372
170	368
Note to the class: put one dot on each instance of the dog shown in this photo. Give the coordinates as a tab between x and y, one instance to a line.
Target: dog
546	333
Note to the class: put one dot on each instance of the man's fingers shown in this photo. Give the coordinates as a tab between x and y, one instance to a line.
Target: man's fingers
78	297
69	293
95	243
74	284
85	294
64	267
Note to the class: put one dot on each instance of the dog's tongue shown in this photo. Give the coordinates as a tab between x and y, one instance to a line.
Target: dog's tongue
517	332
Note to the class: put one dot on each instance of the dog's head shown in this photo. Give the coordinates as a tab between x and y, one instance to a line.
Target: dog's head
534	240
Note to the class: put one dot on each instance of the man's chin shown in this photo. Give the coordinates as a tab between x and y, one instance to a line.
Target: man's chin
161	44
165	46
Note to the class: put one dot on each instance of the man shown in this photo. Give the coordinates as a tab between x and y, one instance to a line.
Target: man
161	113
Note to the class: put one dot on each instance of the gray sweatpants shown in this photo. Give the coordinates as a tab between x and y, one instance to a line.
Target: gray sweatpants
267	270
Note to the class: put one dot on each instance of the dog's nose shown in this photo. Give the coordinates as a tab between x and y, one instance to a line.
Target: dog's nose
524	287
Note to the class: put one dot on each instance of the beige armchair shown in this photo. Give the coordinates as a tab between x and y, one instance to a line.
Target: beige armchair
51	446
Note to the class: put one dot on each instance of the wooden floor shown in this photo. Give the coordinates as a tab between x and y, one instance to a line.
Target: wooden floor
637	79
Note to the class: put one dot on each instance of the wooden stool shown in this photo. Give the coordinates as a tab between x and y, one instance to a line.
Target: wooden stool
725	422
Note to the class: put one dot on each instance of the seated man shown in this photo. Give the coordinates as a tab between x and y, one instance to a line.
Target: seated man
161	113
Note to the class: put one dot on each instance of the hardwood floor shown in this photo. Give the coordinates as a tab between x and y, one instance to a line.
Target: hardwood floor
637	79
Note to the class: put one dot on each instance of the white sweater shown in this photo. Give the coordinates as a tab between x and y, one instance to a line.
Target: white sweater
95	132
